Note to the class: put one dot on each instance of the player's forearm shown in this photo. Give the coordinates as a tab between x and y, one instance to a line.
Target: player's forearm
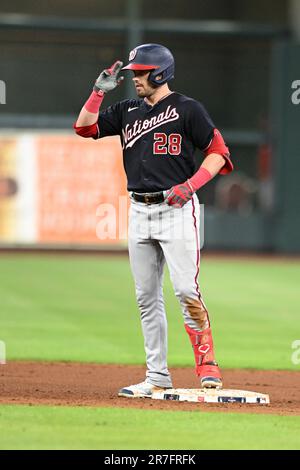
210	167
86	118
213	163
90	111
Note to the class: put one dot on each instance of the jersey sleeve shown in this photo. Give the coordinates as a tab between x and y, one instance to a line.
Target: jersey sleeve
199	126
110	121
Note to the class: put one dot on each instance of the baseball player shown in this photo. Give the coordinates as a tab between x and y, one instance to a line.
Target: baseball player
159	132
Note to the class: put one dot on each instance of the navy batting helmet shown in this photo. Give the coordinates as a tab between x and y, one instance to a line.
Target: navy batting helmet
153	57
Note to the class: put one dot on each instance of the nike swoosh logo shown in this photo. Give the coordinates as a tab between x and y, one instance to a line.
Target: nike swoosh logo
131	109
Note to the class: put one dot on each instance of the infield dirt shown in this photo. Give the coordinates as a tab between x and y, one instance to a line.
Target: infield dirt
80	384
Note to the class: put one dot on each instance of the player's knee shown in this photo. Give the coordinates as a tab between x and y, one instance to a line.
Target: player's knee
146	297
183	291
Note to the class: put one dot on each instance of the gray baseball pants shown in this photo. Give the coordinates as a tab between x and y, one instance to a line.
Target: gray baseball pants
159	233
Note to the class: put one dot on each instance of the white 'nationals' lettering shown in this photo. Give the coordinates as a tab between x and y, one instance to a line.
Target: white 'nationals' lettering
133	133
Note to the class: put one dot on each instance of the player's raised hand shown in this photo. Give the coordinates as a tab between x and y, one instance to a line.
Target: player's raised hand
108	79
179	195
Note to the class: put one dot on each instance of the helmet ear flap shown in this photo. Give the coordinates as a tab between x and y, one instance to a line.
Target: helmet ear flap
156	79
159	77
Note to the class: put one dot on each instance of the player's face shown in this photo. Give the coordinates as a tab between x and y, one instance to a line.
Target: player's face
143	87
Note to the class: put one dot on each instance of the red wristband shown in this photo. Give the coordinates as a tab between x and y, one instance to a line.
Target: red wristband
200	178
94	102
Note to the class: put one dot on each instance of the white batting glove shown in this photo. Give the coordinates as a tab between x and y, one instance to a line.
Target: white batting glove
108	79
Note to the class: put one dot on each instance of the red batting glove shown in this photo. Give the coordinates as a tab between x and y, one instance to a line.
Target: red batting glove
179	195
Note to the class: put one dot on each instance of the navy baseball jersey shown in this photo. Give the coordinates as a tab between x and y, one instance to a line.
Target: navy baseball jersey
158	141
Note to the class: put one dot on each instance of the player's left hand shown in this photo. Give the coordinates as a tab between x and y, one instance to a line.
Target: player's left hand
180	194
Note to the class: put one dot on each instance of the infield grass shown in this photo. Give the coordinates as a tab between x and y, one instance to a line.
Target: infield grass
24	427
83	308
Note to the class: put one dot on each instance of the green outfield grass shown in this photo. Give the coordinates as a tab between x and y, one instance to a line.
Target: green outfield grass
83	308
24	427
